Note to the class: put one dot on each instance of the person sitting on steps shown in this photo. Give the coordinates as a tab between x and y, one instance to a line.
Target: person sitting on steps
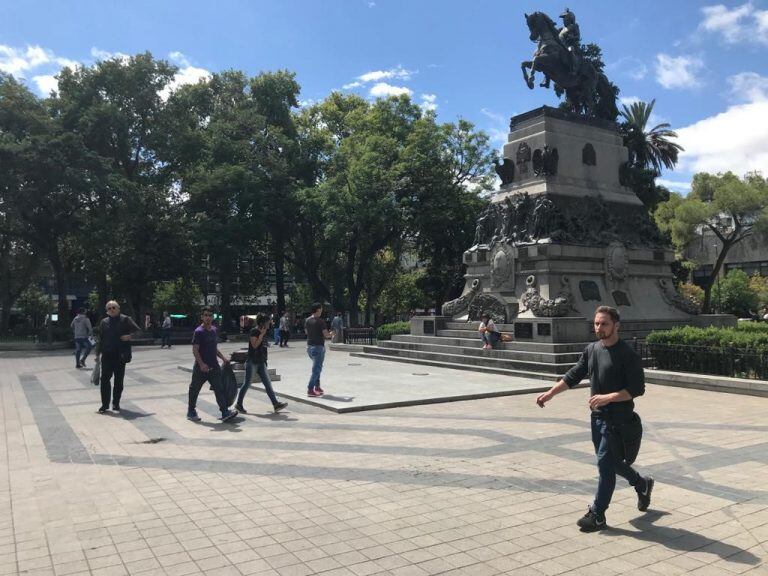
488	332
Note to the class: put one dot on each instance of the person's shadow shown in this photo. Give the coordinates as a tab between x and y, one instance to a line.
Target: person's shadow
681	539
126	414
279	417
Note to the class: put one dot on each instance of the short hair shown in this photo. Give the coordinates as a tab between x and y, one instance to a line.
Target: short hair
206	309
261	319
610	310
485	315
113	303
81	310
315	307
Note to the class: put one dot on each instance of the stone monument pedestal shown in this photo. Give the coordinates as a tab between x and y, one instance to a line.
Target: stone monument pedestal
563	236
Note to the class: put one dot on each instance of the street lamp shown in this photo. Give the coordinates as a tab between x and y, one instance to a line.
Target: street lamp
49	331
719	294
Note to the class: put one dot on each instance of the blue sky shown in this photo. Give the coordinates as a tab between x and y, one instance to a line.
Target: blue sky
704	62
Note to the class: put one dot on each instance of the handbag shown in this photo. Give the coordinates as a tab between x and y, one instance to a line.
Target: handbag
96	375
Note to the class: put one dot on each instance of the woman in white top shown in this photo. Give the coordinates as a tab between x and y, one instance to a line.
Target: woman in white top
488	332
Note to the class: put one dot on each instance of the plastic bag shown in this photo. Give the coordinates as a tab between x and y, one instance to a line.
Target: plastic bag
96	375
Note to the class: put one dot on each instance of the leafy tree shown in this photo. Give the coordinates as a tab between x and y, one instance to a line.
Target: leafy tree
733	294
402	295
692	292
34	304
729	207
180	295
759	286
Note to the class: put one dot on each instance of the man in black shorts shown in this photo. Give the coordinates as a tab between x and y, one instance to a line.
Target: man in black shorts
616	377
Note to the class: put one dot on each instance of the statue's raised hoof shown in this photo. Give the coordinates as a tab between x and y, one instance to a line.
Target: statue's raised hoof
530	84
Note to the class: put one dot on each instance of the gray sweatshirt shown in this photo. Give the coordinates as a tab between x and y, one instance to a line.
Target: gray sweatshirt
81	326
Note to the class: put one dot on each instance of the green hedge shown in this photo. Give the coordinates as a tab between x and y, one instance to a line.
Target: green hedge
386	331
746	336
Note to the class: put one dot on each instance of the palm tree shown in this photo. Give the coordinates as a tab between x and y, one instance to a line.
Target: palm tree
649	149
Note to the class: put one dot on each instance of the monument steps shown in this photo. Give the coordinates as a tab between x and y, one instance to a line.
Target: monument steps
468	362
471	339
475	349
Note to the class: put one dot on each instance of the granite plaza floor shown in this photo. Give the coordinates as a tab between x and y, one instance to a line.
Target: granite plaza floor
481	487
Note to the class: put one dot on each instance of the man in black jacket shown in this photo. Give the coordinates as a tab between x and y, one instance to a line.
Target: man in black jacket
616	377
114	348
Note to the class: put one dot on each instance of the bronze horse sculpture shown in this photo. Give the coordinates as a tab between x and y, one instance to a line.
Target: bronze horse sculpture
583	84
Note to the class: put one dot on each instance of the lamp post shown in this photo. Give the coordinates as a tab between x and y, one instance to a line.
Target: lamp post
719	294
49	331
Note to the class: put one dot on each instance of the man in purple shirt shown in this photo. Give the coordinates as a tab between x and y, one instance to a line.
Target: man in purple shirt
205	348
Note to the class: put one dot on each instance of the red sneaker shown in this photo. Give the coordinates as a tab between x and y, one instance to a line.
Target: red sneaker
319	390
314	393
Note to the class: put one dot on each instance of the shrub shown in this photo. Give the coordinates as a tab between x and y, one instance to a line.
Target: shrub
692	292
386	331
733	295
747	336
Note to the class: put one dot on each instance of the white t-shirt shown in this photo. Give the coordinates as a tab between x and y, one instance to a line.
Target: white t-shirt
490	326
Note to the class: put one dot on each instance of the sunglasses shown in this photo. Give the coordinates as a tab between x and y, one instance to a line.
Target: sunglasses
111	307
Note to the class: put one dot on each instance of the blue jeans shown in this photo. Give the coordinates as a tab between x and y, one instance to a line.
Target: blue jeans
317	354
80	345
608	465
261	370
490	337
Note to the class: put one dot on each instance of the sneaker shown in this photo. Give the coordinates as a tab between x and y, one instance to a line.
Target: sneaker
318	389
314	393
240	409
644	498
192	415
591	522
103	410
228	415
279	406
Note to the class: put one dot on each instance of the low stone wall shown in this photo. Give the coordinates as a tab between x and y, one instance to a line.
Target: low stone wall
707	382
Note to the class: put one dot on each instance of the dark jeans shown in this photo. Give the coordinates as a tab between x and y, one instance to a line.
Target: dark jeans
284	334
490	337
111	365
608	465
317	354
263	372
80	345
214	377
166	337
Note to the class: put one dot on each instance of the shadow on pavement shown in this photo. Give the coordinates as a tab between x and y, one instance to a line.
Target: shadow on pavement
681	539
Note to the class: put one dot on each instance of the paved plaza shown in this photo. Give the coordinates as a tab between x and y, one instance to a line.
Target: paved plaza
480	487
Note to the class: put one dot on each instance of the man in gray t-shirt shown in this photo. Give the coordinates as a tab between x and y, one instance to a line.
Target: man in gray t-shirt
317	334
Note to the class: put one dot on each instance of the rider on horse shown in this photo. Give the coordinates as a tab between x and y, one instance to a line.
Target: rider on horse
570	36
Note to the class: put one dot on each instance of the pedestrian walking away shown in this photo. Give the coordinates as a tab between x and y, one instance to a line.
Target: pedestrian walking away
616	378
317	334
114	352
257	360
285	330
205	347
165	330
82	332
337	327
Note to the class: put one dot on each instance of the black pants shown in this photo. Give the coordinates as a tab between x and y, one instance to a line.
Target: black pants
111	364
284	335
213	376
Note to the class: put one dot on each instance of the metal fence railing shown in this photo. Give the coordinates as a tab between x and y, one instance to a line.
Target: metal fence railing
365	335
717	361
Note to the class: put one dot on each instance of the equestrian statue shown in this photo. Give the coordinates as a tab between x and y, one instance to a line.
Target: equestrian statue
559	57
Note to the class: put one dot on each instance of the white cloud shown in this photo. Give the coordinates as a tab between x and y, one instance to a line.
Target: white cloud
629	66
99	54
187	75
398	73
734	140
352	85
371	4
498	131
17	60
429	102
675	185
382	90
740	24
749	87
178	58
678	72
46	84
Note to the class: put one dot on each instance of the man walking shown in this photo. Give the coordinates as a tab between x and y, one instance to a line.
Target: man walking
284	330
257	360
616	378
317	334
114	349
82	332
205	347
337	327
165	331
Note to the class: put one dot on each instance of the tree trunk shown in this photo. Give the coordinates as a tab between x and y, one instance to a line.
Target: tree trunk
5	315
278	250
727	243
60	278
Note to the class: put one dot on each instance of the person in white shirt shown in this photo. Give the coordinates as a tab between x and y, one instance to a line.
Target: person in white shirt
488	332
